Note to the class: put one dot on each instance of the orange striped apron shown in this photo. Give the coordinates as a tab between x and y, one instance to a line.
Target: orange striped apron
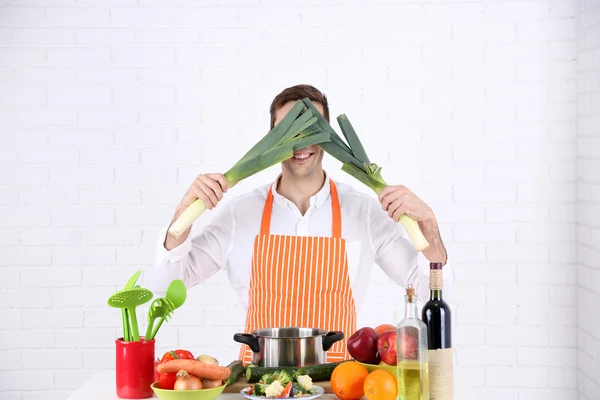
301	281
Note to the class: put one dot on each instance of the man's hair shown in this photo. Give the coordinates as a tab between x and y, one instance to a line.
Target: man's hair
299	92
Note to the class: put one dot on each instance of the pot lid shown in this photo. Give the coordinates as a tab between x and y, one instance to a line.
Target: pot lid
289	333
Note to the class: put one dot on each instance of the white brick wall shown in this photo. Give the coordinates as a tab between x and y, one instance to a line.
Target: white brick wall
109	109
588	199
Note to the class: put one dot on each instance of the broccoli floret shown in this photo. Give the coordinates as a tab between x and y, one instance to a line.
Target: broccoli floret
283	377
267	378
312	391
259	389
297	390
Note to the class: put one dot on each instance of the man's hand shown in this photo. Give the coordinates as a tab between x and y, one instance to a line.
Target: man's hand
398	200
207	187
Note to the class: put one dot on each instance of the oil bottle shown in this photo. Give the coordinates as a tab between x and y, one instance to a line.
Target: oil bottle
411	349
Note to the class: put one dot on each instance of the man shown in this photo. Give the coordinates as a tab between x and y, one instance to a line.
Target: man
299	251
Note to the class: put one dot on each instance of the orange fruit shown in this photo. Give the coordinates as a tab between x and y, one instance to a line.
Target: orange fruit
384	327
347	380
380	385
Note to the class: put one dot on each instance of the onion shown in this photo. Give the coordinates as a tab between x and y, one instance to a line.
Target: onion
186	381
207	384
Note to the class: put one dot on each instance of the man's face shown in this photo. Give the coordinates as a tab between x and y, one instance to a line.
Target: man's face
307	161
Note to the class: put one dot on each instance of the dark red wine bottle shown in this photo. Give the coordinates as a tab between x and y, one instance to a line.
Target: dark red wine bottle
436	312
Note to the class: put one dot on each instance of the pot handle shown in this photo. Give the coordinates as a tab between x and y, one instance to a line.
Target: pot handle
248	339
330	338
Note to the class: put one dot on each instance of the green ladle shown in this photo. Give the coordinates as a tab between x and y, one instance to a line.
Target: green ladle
129	299
176	295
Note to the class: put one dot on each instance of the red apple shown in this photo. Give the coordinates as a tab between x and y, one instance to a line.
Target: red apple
362	346
386	347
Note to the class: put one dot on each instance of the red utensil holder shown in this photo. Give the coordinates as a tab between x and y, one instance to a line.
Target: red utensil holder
135	368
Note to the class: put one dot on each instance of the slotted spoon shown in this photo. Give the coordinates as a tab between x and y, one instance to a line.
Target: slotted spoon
129	299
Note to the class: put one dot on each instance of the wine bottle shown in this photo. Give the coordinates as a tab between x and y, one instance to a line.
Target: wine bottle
437	316
411	350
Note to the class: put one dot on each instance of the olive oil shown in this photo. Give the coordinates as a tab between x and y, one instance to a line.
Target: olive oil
413	380
411	349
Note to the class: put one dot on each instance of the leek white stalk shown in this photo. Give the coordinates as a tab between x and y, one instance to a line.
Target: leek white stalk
373	179
187	218
298	129
414	232
241	170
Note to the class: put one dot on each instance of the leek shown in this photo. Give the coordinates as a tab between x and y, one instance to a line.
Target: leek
298	129
357	164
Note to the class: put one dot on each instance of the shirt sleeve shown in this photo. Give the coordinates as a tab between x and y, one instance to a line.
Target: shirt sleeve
197	258
396	255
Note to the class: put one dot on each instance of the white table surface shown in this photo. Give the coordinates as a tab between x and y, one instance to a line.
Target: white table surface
102	386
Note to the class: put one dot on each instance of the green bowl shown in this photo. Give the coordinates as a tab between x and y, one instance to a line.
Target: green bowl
202	394
373	367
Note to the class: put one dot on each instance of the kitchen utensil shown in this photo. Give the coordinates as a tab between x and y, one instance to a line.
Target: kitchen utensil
202	394
125	317
129	299
132	280
160	308
289	347
176	294
126	330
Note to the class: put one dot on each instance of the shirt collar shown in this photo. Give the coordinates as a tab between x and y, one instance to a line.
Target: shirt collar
316	200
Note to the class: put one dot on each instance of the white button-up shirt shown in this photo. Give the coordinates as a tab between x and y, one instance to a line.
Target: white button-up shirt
226	243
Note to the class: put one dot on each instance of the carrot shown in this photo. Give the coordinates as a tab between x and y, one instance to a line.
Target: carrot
194	367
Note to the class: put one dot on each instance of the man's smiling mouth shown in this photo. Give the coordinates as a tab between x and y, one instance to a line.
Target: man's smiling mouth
301	156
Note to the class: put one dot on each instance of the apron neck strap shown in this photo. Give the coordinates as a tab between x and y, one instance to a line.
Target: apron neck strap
336	212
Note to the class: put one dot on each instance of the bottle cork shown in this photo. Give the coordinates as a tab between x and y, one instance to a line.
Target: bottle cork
410	293
436	280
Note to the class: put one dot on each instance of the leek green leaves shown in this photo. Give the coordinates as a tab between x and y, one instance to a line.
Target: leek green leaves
298	129
356	163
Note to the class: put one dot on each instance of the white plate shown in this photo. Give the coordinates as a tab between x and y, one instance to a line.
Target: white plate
320	391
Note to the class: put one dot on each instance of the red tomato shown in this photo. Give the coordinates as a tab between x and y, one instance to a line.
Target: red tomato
167	381
177	355
156	374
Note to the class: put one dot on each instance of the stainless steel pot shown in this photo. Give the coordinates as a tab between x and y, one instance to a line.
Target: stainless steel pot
289	347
